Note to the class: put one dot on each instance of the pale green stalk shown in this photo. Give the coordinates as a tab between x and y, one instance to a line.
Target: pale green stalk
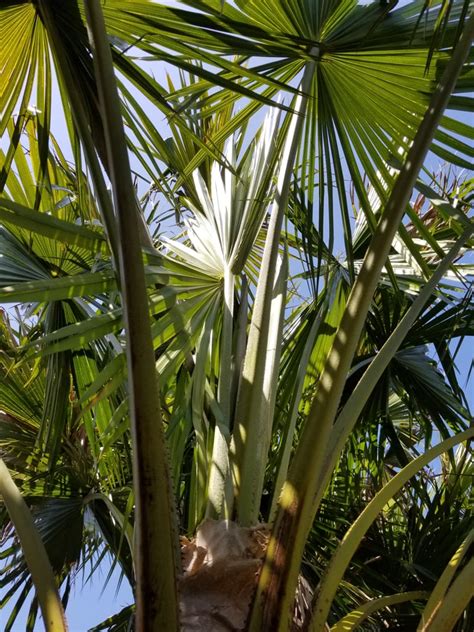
270	381
349	415
157	552
225	385
250	421
220	452
317	347
454	602
279	577
203	447
353	620
287	441
237	368
442	585
334	573
240	338
34	552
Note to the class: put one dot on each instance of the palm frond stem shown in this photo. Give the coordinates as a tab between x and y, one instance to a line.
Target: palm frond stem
250	421
296	513
34	552
157	556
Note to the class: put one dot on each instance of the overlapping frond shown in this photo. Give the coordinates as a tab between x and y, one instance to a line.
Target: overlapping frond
345	86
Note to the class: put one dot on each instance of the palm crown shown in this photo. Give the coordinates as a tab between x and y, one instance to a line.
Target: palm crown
299	388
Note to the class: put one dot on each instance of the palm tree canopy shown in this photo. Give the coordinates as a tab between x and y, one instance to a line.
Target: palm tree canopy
210	145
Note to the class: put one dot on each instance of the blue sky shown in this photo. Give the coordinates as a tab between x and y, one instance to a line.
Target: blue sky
88	605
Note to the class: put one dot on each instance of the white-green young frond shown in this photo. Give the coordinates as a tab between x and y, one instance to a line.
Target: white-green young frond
228	215
202	259
253	190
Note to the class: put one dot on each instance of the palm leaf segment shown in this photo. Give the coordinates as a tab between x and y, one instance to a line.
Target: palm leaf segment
225	225
187	302
368	94
64	492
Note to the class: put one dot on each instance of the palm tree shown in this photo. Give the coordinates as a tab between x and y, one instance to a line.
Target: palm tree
296	392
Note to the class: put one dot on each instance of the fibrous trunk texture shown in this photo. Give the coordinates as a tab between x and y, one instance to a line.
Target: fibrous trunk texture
221	568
